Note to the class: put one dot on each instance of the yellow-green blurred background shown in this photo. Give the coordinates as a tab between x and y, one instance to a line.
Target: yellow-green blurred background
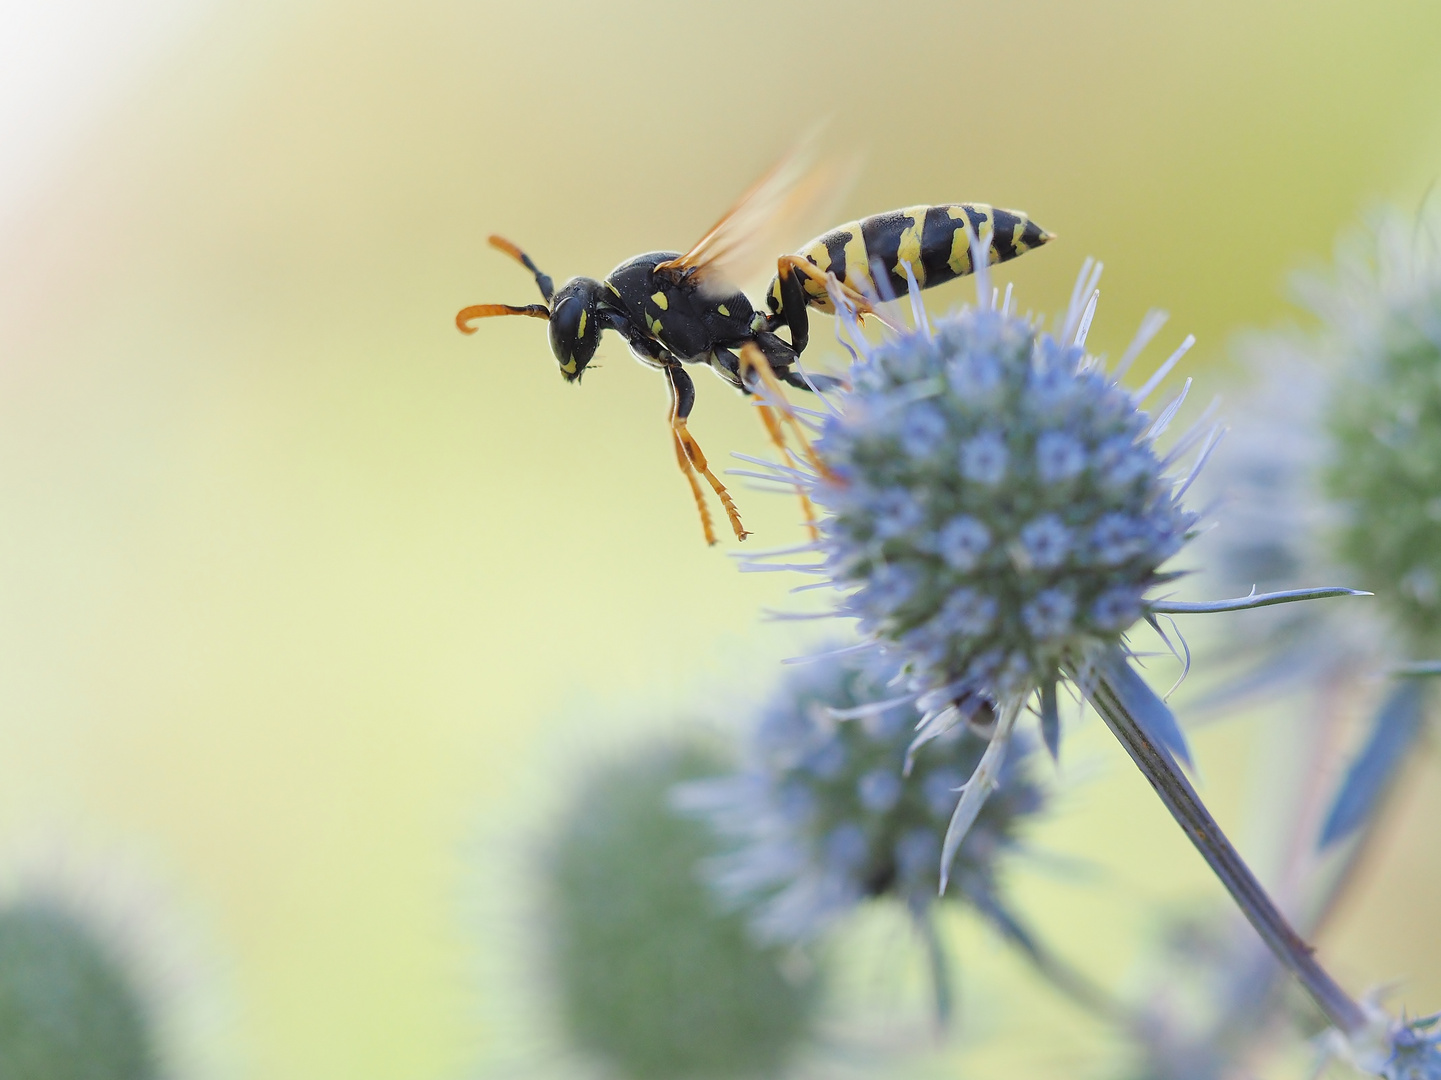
309	606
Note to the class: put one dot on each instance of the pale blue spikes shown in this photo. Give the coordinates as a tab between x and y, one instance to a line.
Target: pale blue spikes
1254	600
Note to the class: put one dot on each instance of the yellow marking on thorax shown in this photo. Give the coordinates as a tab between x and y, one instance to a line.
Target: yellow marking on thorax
653	325
724	310
909	249
580	331
659	300
612	288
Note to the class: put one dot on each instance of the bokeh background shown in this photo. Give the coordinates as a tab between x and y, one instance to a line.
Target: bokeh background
310	607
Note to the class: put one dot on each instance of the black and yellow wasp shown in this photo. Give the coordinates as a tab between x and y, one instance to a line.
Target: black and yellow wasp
675	309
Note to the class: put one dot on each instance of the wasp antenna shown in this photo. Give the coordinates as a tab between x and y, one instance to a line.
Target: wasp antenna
465	316
547	287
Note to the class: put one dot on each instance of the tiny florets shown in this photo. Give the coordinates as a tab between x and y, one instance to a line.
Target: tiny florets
820	817
996	501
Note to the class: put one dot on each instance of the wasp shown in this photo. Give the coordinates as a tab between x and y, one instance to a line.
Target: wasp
677	309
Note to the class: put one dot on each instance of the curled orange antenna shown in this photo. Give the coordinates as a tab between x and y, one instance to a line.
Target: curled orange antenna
465	316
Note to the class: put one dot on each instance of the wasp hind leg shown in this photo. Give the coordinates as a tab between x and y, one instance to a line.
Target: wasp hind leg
778	437
793	271
753	361
683	460
691	459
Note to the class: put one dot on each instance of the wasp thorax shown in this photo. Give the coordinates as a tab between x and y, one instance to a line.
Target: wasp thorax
574	325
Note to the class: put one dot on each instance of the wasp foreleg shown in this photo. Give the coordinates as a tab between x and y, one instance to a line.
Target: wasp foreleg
690	457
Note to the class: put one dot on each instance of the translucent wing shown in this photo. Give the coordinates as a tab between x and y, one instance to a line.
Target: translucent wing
780	211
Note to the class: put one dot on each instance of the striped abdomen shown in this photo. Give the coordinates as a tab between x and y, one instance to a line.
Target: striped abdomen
932	239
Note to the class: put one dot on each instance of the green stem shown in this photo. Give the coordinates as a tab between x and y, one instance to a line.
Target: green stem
1185	805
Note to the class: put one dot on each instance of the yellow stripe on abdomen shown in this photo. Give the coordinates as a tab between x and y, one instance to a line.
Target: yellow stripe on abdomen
908	249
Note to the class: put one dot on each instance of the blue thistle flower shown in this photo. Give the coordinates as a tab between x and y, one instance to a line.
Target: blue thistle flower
1393	1050
997	510
820	819
1059	465
1415	1051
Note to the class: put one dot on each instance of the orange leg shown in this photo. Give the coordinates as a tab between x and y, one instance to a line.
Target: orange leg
690	457
814	274
686	441
778	436
752	359
683	460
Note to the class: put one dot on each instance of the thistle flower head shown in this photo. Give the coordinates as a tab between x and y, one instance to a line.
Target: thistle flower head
1392	1049
69	1006
652	977
821	817
997	512
1415	1051
997	503
1335	468
1381	333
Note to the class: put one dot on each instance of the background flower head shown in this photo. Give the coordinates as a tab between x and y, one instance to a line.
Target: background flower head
1334	468
653	978
821	818
71	1007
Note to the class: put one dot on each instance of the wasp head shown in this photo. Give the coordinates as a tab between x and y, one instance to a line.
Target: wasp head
574	326
572	312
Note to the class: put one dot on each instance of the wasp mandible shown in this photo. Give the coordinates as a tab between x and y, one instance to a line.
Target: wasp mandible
675	309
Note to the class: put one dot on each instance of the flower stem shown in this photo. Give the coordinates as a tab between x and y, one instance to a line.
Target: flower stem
1225	861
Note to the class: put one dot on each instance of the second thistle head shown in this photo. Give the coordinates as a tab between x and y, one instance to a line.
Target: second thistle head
821	818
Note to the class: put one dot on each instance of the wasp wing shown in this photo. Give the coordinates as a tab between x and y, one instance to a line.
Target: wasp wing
780	211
